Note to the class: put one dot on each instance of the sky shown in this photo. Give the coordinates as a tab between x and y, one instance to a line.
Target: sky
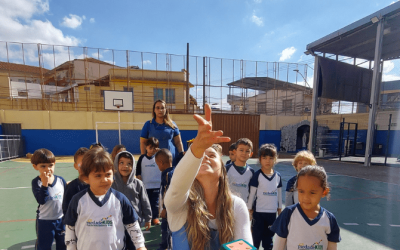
255	30
259	30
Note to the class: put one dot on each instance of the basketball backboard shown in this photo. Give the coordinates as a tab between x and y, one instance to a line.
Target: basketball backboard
118	100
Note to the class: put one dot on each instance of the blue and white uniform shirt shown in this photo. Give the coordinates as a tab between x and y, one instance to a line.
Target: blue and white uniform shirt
239	181
100	223
267	200
304	233
151	174
50	198
291	188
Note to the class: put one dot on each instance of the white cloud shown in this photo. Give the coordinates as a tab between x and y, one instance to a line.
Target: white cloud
388	78
257	20
387	66
73	21
287	54
16	24
91	20
147	62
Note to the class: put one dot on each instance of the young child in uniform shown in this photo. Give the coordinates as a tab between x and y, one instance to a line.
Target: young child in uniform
76	185
148	172
118	148
266	187
232	154
126	183
302	159
48	190
239	173
98	216
307	225
164	162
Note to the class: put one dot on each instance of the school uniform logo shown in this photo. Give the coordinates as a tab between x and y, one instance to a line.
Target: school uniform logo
316	245
104	222
239	184
56	197
272	193
150	165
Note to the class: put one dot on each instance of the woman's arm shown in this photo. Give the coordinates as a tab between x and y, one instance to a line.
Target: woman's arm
242	221
186	171
178	143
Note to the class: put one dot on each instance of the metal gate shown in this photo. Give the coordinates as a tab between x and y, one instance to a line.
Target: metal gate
238	126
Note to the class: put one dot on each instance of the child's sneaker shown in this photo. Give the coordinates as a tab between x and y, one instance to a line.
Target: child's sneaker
155	222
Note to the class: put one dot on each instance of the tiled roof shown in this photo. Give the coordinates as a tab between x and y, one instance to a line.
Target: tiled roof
21	68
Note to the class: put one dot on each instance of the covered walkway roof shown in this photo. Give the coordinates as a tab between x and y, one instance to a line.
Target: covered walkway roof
357	40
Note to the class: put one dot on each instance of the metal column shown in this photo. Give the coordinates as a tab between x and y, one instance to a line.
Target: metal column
314	108
374	93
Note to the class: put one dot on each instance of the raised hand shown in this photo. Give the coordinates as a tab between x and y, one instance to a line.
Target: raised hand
45	178
206	137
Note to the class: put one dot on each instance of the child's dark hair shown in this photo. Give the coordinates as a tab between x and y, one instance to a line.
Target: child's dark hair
96	160
244	141
316	171
268	150
232	147
42	156
116	149
152	142
164	155
79	152
97	145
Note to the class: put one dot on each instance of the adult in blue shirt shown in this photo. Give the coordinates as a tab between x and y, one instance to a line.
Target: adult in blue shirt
164	129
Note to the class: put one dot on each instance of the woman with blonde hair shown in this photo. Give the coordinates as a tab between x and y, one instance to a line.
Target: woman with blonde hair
164	129
202	212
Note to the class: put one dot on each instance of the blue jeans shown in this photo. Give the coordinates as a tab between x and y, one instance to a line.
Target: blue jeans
261	231
165	235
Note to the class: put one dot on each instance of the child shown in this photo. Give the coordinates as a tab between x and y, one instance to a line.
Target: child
164	162
232	154
148	172
98	216
302	159
307	225
48	190
76	185
239	173
132	188
117	149
266	187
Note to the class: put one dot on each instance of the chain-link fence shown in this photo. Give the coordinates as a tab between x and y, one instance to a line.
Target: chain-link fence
50	77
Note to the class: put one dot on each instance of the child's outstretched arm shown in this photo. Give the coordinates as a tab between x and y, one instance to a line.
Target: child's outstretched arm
136	235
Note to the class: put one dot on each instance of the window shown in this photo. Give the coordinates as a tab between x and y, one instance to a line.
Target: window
130	89
158	94
22	93
287	105
170	95
262	107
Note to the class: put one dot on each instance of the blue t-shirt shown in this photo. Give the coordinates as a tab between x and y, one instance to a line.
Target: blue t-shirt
164	133
72	189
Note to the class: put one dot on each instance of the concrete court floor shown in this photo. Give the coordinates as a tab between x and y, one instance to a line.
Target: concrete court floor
365	202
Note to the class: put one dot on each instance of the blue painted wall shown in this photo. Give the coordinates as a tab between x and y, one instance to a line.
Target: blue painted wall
1	130
66	142
270	136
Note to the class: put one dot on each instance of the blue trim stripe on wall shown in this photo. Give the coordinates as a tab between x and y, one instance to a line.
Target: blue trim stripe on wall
66	142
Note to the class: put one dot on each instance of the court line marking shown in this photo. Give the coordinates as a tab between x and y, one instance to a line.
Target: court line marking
26	247
373	225
394	225
351	224
6	221
15	188
361	178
